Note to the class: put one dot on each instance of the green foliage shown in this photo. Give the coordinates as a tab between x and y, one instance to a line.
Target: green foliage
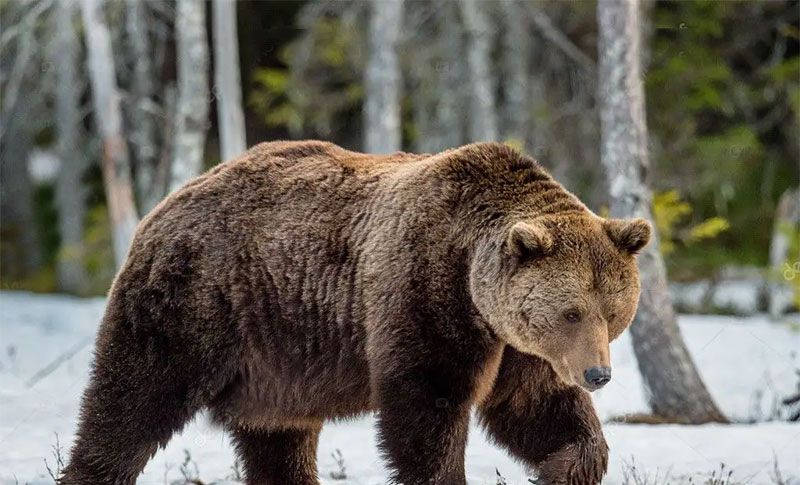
43	278
270	98
669	212
720	101
98	250
320	86
46	222
785	75
516	144
707	229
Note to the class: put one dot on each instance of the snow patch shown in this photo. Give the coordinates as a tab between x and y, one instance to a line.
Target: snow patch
737	357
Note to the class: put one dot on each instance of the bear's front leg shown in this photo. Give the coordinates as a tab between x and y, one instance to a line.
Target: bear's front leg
423	420
550	426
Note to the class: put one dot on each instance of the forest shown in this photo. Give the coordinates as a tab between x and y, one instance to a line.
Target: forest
722	109
687	113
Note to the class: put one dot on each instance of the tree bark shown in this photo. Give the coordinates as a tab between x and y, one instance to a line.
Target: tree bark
423	75
142	107
70	192
20	249
115	162
228	85
382	81
191	120
451	110
516	63
20	115
674	387
482	118
446	99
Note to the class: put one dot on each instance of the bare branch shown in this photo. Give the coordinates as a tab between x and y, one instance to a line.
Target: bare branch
550	32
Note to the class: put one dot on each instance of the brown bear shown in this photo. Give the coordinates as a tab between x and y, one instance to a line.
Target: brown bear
303	282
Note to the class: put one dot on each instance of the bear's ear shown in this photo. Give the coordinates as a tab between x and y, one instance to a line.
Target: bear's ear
529	239
629	235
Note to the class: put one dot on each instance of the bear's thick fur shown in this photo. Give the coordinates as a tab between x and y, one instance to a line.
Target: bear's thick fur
303	282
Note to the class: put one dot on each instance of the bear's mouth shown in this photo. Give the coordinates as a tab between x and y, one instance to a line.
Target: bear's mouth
589	387
564	372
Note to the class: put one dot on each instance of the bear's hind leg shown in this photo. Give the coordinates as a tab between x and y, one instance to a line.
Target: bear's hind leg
125	417
278	456
145	385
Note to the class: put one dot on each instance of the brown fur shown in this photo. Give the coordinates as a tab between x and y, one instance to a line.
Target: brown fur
303	283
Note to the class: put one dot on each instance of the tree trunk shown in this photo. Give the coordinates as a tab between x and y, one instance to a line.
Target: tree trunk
382	123
422	74
446	100
228	89
516	62
20	248
422	103
70	192
674	388
451	110
482	117
21	112
142	106
191	120
108	118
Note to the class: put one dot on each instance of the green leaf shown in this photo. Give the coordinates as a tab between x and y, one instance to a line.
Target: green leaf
708	229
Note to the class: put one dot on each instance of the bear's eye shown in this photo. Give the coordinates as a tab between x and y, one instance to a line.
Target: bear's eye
572	316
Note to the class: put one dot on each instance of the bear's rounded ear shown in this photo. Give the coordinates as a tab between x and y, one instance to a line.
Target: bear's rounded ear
529	239
629	235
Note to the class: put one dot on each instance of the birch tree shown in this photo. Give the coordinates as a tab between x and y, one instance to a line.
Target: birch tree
438	98
451	109
382	81
191	117
142	107
70	192
228	89
673	385
115	163
482	116
516	38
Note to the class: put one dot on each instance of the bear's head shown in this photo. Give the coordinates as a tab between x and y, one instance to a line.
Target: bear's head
561	287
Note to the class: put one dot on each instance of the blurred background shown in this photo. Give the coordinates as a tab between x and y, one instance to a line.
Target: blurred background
721	84
106	106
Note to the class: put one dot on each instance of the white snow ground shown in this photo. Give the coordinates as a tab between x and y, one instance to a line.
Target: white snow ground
739	358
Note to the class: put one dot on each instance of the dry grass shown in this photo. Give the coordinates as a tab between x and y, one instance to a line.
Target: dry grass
633	475
341	471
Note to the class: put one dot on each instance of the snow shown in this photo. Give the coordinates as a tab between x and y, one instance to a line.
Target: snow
746	362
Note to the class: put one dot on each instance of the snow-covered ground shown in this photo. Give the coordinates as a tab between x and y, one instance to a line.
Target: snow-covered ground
740	359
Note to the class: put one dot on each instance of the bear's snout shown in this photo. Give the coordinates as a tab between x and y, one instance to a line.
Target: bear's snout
597	377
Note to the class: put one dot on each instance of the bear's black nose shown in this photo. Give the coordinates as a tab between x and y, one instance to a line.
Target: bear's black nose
597	376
